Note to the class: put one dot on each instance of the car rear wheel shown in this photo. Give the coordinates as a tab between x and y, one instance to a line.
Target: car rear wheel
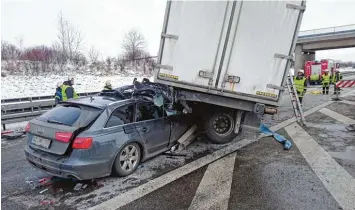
127	160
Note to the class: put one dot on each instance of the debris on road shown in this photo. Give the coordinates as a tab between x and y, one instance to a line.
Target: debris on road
46	202
6	132
78	186
12	135
287	144
43	191
33	186
172	153
350	128
187	138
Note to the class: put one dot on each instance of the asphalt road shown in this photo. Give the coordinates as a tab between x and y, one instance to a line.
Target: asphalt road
260	175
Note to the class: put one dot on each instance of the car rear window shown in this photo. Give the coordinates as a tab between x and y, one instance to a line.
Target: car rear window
71	115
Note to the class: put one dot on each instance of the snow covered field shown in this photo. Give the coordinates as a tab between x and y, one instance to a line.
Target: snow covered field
24	86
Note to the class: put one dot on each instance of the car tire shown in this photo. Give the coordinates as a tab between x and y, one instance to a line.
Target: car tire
127	160
220	127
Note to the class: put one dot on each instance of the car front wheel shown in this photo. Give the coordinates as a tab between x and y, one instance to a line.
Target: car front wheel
127	160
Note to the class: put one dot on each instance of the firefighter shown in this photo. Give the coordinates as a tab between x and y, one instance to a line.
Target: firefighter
301	84
336	78
68	91
108	86
58	93
325	82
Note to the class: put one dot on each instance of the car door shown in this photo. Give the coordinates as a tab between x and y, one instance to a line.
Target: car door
119	129
153	127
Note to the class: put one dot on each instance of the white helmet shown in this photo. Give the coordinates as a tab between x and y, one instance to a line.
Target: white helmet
59	84
108	83
301	71
326	70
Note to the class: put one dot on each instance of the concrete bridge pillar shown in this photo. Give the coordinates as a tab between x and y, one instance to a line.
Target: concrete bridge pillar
301	57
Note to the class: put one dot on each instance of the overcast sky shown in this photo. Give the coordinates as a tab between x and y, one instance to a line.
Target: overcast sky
104	22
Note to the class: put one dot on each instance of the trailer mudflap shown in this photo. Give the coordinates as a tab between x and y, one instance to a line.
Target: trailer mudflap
251	125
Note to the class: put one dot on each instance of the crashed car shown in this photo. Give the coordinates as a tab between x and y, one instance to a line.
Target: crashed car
97	136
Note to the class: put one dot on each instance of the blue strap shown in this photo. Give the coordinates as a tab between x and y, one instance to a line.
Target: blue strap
287	144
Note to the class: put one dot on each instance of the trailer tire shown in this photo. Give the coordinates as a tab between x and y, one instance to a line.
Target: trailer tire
220	127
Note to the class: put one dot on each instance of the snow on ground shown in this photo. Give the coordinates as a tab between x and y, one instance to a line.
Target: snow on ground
19	126
25	86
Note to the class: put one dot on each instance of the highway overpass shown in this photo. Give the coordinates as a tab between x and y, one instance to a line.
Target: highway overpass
322	39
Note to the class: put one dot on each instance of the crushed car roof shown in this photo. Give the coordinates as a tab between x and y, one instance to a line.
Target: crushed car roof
145	91
96	101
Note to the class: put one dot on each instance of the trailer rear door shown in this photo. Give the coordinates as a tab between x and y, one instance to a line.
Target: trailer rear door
198	33
261	38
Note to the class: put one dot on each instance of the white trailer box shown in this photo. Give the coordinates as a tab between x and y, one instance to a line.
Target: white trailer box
240	49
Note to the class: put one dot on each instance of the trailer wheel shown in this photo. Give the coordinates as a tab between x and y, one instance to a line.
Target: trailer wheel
220	127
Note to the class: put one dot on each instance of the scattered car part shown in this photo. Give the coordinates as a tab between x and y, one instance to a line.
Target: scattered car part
78	186
43	191
187	138
350	128
13	135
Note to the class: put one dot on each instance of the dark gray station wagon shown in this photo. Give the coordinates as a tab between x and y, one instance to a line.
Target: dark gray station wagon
95	136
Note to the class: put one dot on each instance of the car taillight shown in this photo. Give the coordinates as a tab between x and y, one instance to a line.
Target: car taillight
28	127
63	136
82	143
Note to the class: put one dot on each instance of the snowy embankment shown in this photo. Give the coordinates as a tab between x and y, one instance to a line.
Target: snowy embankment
26	86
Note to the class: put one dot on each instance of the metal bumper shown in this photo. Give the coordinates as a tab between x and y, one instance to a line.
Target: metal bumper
67	167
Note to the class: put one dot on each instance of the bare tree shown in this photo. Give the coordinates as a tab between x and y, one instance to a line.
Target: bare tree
9	51
19	42
133	44
109	63
93	55
69	39
121	62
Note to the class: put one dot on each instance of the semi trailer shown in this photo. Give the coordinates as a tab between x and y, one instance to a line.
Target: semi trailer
227	61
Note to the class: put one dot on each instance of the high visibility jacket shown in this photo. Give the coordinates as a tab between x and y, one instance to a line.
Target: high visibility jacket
300	85
336	77
68	92
326	79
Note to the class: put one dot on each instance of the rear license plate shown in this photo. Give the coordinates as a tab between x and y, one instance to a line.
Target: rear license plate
39	141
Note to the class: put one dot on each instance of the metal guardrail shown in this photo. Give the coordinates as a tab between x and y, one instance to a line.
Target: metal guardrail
23	109
328	30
